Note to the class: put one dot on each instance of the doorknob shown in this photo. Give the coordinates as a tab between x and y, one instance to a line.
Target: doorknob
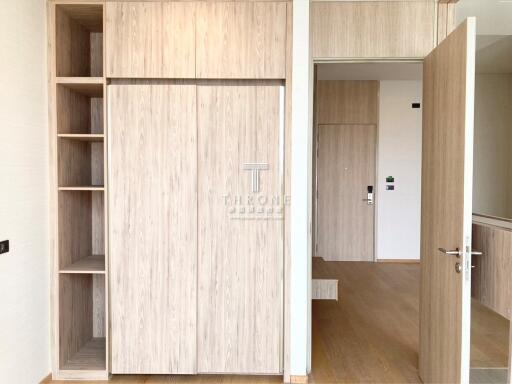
455	252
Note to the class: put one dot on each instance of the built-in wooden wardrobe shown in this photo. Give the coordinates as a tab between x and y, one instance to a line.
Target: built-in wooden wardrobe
166	260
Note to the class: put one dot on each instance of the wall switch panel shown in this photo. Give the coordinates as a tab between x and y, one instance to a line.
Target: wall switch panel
4	246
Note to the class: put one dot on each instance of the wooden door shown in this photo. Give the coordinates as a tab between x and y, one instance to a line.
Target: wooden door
150	39
448	101
345	169
153	227
240	235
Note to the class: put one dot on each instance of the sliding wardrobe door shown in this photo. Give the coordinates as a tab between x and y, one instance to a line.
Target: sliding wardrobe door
153	228
240	230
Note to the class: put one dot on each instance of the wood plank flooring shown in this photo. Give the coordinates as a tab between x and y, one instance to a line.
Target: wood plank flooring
370	335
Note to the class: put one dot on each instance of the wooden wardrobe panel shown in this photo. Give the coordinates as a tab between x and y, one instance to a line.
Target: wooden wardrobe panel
150	39
347	102
372	29
490	283
240	255
244	40
153	228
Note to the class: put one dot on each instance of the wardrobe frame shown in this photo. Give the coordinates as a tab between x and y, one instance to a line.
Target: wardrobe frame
93	84
78	181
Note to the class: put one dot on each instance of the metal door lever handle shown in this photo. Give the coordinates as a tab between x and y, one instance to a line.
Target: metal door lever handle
455	252
458	253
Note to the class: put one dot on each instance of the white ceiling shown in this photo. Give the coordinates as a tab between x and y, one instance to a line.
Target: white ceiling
370	71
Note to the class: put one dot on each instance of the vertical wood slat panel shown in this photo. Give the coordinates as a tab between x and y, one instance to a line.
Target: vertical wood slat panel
491	277
372	29
153	228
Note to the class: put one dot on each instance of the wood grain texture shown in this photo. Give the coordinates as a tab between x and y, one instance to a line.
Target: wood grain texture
287	192
79	108
241	40
446	210
445	20
153	228
489	337
78	29
372	29
491	279
240	298
347	102
324	289
80	163
150	39
346	166
371	334
74	226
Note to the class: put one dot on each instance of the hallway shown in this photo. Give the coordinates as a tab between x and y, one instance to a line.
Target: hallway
370	335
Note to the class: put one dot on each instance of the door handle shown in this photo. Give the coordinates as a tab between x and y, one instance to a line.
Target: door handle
458	253
455	252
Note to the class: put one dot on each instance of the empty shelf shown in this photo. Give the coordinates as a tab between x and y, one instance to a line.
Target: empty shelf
90	357
90	264
92	137
89	86
83	188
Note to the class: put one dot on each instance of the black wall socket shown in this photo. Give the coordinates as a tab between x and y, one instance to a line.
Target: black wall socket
4	246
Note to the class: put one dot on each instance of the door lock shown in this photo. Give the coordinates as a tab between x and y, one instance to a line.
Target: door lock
369	199
458	268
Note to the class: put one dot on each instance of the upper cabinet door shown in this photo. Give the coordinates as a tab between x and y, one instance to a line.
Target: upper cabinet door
372	29
150	39
241	40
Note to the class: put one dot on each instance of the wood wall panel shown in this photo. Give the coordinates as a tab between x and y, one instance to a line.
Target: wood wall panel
347	102
240	297
491	280
372	29
150	39
241	40
153	228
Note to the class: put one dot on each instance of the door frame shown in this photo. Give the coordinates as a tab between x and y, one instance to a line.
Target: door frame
315	148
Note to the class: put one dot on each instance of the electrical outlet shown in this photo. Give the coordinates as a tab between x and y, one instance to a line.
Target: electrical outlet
4	246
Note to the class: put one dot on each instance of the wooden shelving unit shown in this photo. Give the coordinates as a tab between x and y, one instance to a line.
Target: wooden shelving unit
80	245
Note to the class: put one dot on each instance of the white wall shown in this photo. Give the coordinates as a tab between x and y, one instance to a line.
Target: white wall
24	271
302	125
399	155
493	16
492	182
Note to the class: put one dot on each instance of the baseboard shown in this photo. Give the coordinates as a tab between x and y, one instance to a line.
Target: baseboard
294	379
324	289
47	379
400	261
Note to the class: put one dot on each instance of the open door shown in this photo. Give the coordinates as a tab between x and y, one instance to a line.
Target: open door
446	209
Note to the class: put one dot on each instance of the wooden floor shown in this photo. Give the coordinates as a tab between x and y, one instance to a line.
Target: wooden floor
371	334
